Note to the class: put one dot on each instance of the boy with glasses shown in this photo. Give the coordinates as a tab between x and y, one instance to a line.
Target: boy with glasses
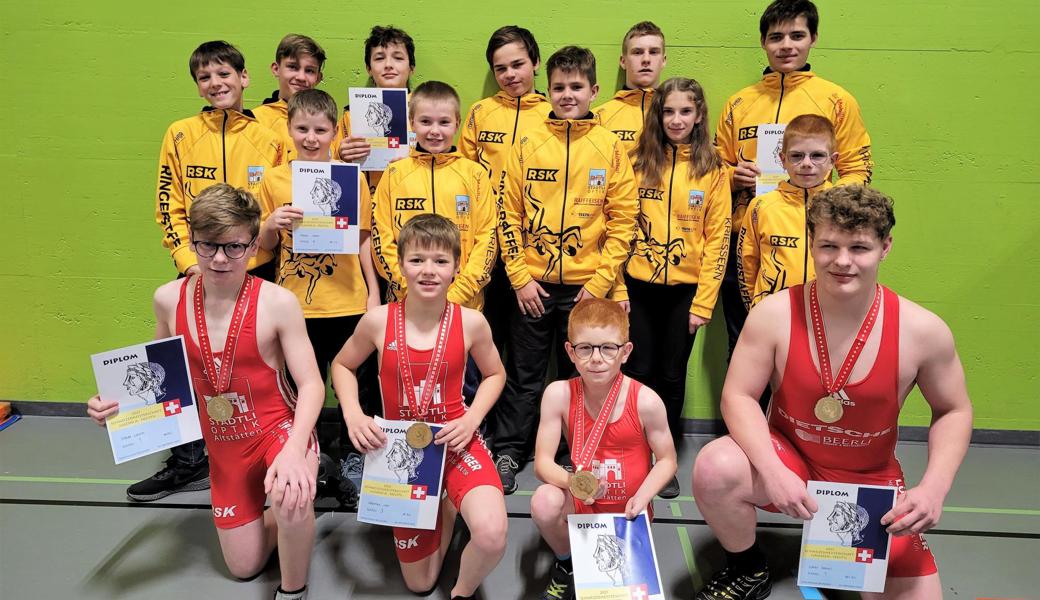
773	243
618	470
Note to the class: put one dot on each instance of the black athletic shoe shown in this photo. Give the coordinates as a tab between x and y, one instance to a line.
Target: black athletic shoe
170	479
729	585
671	490
280	594
507	468
561	584
564	460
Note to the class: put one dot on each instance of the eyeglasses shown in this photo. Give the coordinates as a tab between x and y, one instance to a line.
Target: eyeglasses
608	351
817	158
232	250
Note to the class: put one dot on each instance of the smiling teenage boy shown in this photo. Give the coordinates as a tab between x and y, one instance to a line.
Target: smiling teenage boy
642	59
429	250
814	339
221	144
788	88
241	333
635	435
568	218
297	65
773	244
435	178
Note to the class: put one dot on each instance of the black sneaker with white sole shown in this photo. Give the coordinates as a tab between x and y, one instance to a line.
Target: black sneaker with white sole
728	584
561	583
507	468
170	479
671	490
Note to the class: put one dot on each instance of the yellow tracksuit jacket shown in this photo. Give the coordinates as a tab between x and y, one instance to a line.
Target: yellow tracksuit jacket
448	185
569	206
493	126
274	115
773	244
683	231
623	114
343	131
327	285
779	98
214	146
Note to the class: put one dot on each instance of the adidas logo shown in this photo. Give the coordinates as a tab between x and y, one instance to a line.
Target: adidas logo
392	345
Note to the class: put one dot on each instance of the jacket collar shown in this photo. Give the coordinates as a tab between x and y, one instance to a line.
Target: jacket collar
633	96
426	158
581	125
526	101
273	99
789	189
771	77
210	111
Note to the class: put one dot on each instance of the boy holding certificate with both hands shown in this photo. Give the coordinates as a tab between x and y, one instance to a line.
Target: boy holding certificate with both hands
421	380
617	430
240	333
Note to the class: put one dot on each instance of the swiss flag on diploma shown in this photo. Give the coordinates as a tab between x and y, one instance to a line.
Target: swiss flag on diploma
393	142
639	592
864	555
172	407
418	492
342	223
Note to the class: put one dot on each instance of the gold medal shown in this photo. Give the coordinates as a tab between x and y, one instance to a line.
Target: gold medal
583	485
419	435
220	408
829	409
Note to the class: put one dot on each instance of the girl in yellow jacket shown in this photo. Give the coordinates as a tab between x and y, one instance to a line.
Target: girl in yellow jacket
679	254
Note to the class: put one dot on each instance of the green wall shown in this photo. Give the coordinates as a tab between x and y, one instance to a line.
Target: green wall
948	92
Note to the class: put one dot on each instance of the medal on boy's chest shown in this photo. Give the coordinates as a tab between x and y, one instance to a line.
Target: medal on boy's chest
830	408
419	434
583	484
219	407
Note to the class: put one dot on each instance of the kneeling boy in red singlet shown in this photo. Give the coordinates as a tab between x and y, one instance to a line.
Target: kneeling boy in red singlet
841	353
617	430
240	333
439	336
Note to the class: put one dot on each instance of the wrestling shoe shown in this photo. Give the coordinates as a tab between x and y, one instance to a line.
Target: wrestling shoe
170	479
507	469
727	584
561	583
280	594
671	490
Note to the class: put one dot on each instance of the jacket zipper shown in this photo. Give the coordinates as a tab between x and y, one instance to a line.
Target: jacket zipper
781	101
566	182
433	188
642	105
668	231
223	144
805	243
516	122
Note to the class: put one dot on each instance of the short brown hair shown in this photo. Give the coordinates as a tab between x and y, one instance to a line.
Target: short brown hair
295	45
640	29
433	91
508	35
314	102
572	58
217	51
851	208
597	312
429	230
804	126
222	207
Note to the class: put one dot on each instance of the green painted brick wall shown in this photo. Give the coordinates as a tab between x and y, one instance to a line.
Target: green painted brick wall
948	92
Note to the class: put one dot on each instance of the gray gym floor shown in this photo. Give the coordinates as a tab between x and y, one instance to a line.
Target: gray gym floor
68	531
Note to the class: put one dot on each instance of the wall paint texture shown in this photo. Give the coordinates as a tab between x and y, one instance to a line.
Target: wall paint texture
947	91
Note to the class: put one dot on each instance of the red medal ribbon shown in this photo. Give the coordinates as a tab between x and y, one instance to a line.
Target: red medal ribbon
220	379
832	385
433	372
588	448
